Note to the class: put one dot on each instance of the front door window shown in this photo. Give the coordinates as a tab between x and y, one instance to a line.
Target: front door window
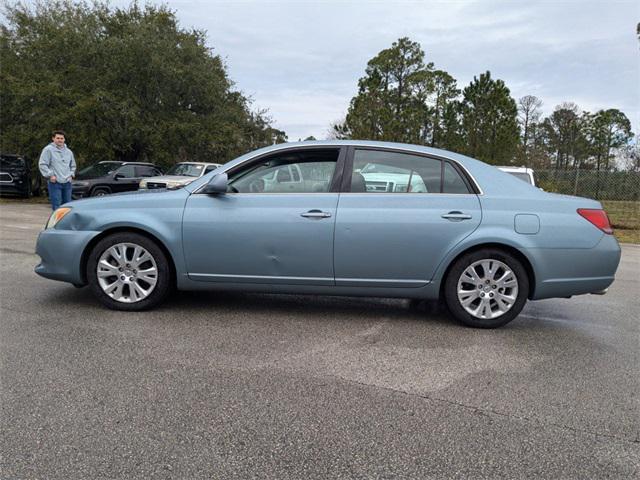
299	172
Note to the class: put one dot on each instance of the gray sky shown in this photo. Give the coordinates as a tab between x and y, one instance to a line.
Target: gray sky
302	59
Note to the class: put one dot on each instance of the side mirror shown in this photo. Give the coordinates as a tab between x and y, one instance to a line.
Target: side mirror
118	176
217	185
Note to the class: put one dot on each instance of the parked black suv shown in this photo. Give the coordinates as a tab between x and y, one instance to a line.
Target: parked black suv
16	176
103	178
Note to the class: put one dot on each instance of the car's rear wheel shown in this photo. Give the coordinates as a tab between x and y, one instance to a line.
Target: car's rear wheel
128	271
487	288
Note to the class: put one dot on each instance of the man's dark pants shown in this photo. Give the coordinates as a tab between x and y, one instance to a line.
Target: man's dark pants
59	193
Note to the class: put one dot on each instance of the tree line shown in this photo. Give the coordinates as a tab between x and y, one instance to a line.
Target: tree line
124	83
402	98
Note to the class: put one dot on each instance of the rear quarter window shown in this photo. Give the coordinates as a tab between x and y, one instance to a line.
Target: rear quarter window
453	181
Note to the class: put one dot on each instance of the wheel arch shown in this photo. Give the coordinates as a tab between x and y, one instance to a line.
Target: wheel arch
100	186
526	263
125	229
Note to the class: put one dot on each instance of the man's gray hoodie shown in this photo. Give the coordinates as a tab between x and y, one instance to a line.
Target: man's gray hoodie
58	162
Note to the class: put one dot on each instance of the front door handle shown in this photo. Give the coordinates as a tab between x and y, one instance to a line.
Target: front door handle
456	216
315	214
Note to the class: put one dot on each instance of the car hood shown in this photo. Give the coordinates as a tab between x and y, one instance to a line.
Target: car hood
132	198
17	169
84	200
183	179
93	178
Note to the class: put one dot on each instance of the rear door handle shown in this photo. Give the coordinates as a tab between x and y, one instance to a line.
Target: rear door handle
456	216
315	214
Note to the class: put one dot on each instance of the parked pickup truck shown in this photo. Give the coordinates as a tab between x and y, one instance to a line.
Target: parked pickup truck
385	178
179	175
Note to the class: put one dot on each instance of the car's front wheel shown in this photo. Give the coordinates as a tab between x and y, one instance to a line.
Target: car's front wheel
100	192
487	288
27	191
128	271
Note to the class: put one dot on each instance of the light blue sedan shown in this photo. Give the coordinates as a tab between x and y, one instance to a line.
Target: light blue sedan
350	218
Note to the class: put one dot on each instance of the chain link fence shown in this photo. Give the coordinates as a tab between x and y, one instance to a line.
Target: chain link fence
591	184
619	193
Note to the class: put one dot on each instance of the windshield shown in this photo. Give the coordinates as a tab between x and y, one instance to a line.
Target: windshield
11	162
522	176
186	169
98	170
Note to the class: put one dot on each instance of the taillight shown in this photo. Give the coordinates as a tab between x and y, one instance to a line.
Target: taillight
598	218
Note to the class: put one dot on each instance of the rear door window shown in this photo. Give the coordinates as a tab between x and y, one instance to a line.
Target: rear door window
145	171
379	171
128	171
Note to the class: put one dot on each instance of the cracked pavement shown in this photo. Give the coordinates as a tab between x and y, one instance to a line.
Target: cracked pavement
231	385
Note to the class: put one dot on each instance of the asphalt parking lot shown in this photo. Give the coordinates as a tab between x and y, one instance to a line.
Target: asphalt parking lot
260	386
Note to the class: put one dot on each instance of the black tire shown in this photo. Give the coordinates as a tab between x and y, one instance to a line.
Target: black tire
27	192
100	192
455	272
164	276
35	187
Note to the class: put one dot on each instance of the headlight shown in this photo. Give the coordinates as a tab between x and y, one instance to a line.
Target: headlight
56	216
174	184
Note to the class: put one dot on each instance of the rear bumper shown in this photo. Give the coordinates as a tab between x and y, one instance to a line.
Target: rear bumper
61	252
567	272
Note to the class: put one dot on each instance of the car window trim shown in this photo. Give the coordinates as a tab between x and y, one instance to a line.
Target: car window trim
472	185
334	186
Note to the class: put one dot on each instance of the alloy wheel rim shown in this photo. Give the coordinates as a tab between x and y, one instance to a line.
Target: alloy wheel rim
127	272
487	289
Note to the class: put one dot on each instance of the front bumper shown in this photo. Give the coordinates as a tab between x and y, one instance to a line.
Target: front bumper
61	252
17	188
79	192
151	185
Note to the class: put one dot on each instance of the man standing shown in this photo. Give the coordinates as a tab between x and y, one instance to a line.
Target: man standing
58	165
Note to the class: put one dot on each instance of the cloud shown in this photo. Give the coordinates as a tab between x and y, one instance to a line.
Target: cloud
302	60
305	112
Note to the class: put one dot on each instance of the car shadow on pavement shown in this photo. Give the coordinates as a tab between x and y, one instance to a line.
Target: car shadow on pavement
308	305
204	304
